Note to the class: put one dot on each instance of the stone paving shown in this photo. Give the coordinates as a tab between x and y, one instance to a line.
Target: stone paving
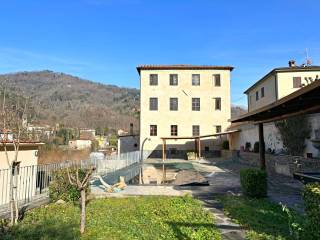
281	189
221	182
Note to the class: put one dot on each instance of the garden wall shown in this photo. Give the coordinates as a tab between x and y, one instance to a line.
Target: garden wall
272	138
227	154
281	164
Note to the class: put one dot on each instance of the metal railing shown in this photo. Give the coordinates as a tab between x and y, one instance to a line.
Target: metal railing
33	181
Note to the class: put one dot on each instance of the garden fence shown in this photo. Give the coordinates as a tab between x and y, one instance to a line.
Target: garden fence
33	181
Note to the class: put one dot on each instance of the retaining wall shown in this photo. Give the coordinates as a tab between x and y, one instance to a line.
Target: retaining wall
281	164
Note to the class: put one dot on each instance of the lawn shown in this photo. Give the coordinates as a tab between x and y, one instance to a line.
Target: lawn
263	219
124	218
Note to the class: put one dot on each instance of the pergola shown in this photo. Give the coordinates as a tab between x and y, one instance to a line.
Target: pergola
303	101
197	144
197	141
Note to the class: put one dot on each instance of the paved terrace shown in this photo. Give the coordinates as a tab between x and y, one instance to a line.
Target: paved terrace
223	177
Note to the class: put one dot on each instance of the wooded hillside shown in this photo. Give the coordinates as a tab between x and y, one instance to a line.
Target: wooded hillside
75	102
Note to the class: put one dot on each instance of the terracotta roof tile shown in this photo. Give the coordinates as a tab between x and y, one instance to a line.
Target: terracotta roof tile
182	67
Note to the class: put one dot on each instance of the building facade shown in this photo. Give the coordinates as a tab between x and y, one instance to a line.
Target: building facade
80	144
26	166
128	143
182	101
277	84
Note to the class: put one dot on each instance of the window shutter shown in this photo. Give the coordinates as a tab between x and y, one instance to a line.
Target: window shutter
296	82
217	81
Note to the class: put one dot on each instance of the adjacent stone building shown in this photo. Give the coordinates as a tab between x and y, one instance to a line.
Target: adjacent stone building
275	85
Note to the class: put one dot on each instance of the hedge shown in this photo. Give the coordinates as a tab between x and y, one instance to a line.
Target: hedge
254	183
311	196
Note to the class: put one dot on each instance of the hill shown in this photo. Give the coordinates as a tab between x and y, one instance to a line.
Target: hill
75	102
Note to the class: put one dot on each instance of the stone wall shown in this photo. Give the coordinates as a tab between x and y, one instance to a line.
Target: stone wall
272	137
280	164
128	144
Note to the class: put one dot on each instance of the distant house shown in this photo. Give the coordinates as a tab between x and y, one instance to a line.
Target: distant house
80	144
87	133
122	132
38	131
6	135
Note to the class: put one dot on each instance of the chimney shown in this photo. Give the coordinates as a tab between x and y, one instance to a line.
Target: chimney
131	128
292	63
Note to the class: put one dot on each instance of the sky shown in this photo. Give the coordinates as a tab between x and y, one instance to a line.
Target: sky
104	40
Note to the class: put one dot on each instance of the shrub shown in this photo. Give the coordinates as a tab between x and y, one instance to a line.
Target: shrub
60	188
311	196
294	132
113	140
248	146
254	182
5	227
225	145
256	147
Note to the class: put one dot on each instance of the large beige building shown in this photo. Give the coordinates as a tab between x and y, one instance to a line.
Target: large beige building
275	85
183	101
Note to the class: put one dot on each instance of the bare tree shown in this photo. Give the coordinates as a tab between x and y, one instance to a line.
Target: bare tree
81	186
13	131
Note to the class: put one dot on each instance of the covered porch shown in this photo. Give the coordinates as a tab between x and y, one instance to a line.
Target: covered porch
304	101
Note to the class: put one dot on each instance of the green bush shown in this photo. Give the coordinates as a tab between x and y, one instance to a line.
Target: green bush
256	147
311	196
225	145
254	182
60	188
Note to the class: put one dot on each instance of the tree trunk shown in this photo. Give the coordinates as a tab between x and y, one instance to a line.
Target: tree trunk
16	208
11	196
83	210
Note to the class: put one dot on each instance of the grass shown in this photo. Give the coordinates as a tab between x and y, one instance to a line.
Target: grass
125	218
263	219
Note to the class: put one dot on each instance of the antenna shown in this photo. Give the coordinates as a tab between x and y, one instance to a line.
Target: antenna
308	59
